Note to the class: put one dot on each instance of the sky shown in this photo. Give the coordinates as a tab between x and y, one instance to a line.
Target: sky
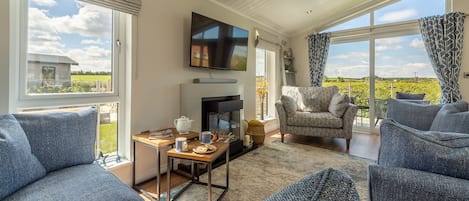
70	28
403	56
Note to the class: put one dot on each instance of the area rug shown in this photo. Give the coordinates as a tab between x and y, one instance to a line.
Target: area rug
259	173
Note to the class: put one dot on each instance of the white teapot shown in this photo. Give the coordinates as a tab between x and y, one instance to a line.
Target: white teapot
183	125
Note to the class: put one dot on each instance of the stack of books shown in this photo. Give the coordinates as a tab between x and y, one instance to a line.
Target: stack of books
162	134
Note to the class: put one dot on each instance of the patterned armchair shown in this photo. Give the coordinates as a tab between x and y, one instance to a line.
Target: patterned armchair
314	113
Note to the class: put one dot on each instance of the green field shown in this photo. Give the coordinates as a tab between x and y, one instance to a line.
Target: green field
90	78
359	88
108	137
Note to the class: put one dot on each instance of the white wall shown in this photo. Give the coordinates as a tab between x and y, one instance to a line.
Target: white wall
162	65
4	56
299	46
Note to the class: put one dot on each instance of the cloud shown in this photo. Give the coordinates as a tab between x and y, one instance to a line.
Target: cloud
42	37
417	43
408	70
398	15
91	58
91	42
388	44
347	71
48	3
47	33
351	55
91	21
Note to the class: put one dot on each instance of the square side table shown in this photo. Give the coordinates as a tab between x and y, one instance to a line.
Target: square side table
200	158
143	139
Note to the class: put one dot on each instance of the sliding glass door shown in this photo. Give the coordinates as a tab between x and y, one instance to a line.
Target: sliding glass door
348	68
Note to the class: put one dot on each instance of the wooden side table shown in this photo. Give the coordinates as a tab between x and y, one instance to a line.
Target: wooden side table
157	145
200	158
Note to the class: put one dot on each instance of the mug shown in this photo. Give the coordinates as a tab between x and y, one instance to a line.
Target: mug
206	137
181	144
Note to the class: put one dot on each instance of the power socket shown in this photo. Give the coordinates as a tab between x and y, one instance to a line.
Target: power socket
466	75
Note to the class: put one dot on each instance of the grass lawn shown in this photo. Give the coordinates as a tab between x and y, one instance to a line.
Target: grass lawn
108	137
90	78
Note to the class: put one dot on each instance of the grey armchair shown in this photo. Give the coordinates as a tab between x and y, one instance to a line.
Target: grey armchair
423	153
311	115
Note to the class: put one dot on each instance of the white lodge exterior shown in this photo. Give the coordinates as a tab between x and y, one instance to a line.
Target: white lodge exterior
49	70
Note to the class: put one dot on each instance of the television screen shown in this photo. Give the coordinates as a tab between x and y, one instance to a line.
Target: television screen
217	45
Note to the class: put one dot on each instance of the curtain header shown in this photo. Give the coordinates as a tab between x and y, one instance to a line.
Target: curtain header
126	6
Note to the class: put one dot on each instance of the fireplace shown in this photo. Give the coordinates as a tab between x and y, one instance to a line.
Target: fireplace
216	107
222	115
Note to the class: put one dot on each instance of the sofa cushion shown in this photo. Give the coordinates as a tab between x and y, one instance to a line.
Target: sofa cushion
78	183
289	104
311	99
393	183
315	119
430	151
411	114
401	95
338	105
452	118
18	166
328	184
62	139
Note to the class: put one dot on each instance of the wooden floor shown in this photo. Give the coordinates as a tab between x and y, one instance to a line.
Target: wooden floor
362	145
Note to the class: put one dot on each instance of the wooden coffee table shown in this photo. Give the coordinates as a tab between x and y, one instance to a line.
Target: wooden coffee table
200	158
143	138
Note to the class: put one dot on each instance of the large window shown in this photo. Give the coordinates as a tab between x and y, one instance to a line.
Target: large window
71	57
372	63
76	38
408	10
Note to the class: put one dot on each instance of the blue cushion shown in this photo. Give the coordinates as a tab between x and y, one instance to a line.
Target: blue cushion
452	118
401	95
417	116
430	151
18	166
61	139
79	183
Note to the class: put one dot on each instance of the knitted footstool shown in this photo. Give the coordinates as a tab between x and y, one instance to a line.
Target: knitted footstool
328	184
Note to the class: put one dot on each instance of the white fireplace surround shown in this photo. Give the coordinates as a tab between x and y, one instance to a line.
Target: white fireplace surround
191	100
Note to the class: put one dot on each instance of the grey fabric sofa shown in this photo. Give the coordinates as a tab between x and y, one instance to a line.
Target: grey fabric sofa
50	157
424	153
312	116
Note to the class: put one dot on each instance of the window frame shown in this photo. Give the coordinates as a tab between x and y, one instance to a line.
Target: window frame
121	58
27	100
371	33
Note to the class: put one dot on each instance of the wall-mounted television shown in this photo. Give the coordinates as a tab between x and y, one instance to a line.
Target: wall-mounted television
217	45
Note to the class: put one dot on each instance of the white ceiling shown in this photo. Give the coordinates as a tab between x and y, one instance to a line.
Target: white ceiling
290	17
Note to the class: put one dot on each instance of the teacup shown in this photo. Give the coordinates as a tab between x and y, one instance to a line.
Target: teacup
181	144
206	137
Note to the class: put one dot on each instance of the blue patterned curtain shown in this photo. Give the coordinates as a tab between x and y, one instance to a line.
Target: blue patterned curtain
318	49
443	39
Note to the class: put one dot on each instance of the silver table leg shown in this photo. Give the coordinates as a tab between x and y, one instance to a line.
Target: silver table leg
168	177
227	162
158	173
209	183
